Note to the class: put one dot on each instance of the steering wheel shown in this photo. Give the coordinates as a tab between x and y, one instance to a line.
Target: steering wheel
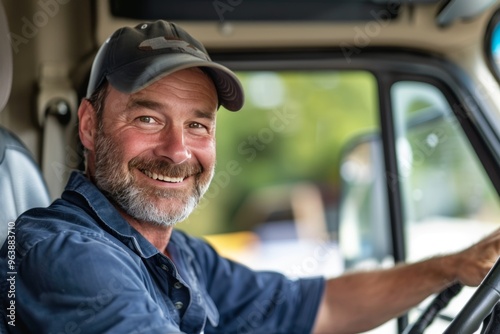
478	308
429	314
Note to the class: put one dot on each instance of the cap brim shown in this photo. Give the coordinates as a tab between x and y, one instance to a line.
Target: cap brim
5	60
142	73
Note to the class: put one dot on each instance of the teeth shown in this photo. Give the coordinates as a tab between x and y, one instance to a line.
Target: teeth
164	178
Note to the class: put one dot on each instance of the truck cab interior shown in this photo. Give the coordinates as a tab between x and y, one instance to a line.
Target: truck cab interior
370	133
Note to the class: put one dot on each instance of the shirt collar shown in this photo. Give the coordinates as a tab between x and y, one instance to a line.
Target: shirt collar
106	214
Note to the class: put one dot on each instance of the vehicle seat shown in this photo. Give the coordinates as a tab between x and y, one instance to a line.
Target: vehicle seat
21	182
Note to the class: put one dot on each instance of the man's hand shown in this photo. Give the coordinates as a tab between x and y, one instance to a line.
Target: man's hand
474	262
357	302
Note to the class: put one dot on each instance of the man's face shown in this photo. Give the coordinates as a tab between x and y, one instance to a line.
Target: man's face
155	149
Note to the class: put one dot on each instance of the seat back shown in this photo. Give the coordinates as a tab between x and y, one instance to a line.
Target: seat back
21	182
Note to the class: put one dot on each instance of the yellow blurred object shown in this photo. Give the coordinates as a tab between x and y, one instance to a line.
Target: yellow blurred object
233	245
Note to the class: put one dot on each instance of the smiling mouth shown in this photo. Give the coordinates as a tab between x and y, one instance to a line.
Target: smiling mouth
163	178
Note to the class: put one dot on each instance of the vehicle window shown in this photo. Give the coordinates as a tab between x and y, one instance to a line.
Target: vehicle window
277	173
449	201
443	182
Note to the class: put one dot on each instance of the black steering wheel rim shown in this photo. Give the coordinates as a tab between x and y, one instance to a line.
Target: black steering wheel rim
432	310
482	307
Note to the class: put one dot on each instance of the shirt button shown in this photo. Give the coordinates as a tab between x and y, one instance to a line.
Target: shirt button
178	285
178	305
164	267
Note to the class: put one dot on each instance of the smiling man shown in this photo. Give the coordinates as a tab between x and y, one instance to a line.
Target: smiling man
153	153
105	257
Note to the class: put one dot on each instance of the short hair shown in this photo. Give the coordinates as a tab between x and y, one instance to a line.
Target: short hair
98	100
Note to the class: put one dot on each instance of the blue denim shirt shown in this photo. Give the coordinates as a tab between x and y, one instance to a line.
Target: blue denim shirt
79	267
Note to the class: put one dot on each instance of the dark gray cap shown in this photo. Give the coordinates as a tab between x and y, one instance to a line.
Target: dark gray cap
133	58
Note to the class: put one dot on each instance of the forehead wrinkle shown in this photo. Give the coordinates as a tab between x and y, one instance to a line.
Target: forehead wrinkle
136	102
187	89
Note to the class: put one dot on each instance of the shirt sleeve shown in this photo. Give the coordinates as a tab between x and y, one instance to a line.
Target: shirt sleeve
257	302
76	283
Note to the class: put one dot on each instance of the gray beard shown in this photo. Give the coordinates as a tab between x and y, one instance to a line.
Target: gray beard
119	186
135	204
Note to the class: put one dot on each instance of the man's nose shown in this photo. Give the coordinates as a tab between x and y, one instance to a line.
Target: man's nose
173	146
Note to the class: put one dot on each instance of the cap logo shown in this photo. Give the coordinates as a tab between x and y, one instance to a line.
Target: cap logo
176	45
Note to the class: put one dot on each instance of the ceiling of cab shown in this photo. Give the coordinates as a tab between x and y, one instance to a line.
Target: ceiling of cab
257	10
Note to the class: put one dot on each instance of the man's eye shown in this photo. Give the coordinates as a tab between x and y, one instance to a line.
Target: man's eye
197	125
146	119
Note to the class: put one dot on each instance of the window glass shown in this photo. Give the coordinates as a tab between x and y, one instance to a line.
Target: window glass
449	202
277	177
443	181
291	129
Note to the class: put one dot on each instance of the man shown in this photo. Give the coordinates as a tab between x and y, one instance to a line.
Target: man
105	257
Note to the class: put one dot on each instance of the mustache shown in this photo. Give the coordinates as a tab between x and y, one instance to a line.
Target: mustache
165	167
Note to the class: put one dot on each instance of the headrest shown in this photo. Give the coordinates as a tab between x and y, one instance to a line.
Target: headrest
5	59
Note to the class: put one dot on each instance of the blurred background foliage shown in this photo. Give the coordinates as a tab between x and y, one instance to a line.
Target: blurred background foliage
291	130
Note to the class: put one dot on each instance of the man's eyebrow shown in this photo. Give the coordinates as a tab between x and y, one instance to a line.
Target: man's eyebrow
205	114
135	103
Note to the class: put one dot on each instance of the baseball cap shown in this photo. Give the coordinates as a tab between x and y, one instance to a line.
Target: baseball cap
133	58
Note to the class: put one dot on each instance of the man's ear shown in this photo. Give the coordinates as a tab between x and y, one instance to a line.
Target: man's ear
87	124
